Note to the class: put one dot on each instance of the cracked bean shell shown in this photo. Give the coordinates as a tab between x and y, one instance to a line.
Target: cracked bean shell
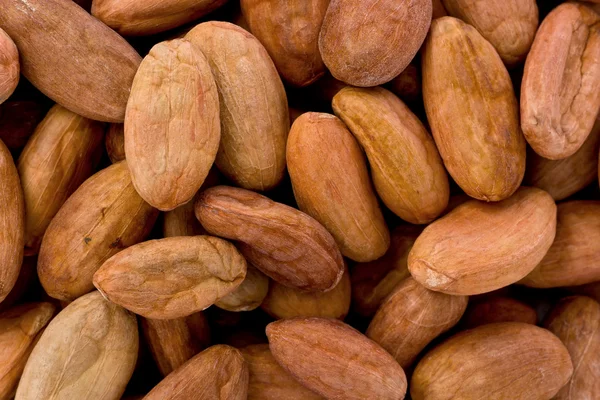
253	104
559	91
479	247
172	277
508	360
172	126
285	244
331	183
102	217
473	112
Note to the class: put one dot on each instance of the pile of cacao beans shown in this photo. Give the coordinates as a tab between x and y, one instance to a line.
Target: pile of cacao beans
299	200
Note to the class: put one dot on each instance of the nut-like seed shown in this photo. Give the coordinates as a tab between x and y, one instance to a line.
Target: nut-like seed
12	225
372	282
102	217
286	302
72	57
407	170
301	230
284	243
572	259
219	372
88	351
479	247
473	112
289	31
249	295
335	360
498	309
369	42
172	128
509	25
137	18
115	142
172	277
19	330
9	66
331	183
559	96
174	341
411	317
62	153
407	85
565	177
512	360
576	322
268	381
182	221
254	110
